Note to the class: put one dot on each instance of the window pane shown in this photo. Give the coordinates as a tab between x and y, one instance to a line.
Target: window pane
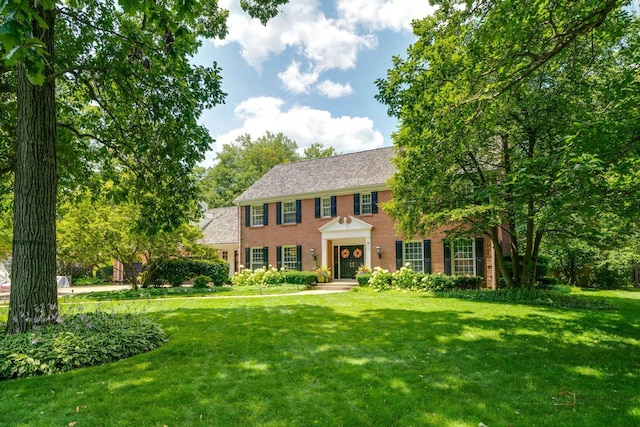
326	207
463	257
289	213
290	257
413	255
365	203
257	258
257	215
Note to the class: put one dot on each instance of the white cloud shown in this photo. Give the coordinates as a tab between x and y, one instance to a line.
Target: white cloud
301	26
334	90
302	124
395	15
296	81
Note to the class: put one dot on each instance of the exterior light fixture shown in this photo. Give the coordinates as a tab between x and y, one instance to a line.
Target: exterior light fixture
313	253
379	251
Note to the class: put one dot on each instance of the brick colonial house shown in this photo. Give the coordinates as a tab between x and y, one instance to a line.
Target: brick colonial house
325	212
220	230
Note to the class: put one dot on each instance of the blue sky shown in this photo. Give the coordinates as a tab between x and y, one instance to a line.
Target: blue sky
310	72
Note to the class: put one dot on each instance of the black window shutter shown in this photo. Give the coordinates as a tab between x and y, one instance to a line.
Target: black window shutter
247	216
399	254
298	211
374	202
447	257
278	212
278	257
334	206
479	257
426	254
299	257
356	204
247	257
318	215
265	254
265	208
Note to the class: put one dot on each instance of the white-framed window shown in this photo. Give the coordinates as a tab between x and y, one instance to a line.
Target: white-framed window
463	257
325	207
257	215
413	254
290	257
289	212
365	203
257	258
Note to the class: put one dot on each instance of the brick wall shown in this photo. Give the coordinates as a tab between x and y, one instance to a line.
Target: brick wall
307	235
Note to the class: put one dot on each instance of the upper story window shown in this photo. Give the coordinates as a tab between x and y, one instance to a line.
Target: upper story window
289	212
463	251
325	209
365	203
257	215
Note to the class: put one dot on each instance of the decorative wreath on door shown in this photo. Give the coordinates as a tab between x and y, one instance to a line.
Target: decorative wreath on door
357	253
345	253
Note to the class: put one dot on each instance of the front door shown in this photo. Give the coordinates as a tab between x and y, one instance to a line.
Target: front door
351	257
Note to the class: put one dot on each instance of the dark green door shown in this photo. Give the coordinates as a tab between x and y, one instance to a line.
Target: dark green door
351	257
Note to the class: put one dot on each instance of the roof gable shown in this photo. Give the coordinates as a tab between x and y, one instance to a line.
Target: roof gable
325	175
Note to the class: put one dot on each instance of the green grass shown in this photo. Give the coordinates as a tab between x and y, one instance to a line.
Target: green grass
355	359
173	292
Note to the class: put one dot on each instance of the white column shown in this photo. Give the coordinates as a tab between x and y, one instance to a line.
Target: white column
324	254
367	251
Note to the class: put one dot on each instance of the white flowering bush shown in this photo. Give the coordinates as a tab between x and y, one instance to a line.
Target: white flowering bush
380	279
405	278
260	277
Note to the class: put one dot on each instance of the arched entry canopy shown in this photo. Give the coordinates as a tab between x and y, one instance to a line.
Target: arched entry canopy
346	245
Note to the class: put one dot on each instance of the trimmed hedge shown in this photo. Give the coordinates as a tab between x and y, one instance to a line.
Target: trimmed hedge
299	277
177	271
363	279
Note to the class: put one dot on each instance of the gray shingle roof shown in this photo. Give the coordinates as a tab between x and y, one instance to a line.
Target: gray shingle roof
326	175
219	226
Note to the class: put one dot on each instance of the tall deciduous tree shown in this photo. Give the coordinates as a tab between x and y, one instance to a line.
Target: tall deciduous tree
242	163
515	116
102	89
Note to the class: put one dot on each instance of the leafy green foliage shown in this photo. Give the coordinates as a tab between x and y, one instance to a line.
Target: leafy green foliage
363	279
299	277
268	277
532	297
84	339
407	279
176	271
243	162
201	282
511	115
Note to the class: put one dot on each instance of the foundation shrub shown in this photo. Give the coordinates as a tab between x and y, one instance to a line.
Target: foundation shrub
363	279
437	282
381	279
467	282
201	282
299	277
178	270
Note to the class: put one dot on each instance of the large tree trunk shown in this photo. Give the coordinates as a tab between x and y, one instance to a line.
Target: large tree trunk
33	287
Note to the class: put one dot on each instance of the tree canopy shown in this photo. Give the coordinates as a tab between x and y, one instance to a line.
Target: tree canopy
102	87
516	120
243	162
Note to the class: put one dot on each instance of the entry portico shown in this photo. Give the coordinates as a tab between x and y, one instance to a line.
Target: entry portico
346	244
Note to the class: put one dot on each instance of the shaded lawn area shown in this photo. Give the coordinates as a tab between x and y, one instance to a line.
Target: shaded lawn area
355	359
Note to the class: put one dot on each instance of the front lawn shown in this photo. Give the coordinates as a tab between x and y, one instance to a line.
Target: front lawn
356	359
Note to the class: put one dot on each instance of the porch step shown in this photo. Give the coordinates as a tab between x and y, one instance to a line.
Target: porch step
335	286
